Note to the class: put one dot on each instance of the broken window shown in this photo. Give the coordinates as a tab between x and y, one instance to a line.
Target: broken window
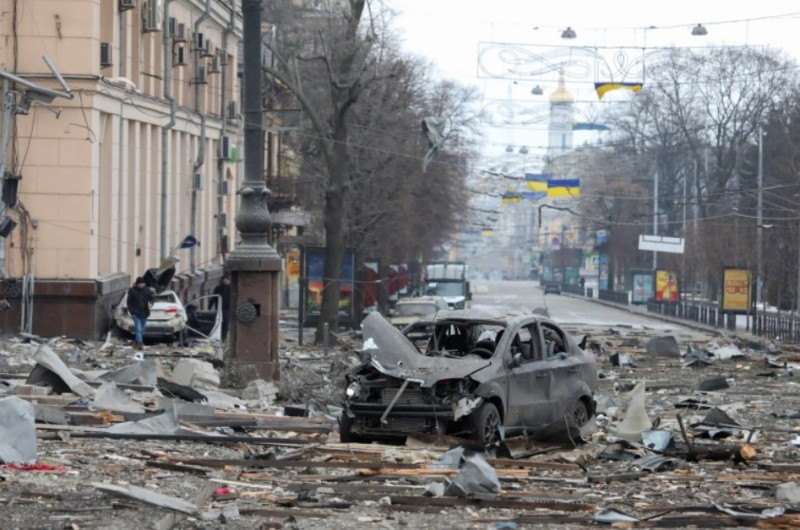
554	341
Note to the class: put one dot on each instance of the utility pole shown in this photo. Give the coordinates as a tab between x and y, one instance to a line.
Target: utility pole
655	215
760	221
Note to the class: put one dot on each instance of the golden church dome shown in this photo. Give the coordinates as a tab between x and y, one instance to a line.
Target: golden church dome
561	94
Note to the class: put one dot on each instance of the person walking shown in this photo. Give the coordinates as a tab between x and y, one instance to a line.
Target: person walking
224	292
139	302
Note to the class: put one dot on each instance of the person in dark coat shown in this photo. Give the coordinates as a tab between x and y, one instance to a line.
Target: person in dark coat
139	302
224	292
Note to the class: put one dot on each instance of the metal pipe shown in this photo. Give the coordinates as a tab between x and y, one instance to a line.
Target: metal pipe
201	148
123	43
165	130
8	110
225	116
393	402
120	193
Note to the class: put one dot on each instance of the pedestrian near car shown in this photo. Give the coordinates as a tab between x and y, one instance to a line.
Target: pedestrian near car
224	292
139	302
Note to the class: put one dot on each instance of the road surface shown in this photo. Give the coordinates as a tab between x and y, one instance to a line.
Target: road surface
568	310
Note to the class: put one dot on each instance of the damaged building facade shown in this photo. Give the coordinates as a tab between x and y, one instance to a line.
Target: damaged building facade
111	181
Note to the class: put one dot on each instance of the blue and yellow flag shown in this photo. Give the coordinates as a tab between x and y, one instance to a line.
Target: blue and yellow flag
585	126
564	188
536	182
603	88
511	197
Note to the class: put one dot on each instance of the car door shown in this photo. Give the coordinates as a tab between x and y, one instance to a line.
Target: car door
204	316
529	384
565	367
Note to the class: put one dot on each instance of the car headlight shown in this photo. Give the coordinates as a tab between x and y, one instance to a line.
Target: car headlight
352	389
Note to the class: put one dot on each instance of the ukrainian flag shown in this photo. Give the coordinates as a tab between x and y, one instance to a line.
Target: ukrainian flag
564	188
511	197
537	182
603	88
583	126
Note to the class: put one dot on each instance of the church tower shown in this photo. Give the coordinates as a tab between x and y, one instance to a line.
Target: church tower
561	118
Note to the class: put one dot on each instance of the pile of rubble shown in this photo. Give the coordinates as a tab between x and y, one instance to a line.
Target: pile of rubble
691	430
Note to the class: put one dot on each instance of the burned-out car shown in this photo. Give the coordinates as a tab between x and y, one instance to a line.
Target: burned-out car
481	375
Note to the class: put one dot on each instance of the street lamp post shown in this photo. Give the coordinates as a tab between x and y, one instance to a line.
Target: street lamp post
254	264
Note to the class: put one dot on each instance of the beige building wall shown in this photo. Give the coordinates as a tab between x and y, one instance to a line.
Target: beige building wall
91	188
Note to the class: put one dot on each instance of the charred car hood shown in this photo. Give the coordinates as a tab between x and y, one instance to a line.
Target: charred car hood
391	353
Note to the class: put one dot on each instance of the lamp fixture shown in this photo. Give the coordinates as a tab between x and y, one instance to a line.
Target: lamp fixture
537	91
699	30
523	150
509	149
568	33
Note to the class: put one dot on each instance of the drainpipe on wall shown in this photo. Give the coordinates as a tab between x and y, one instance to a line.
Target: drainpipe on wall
165	130
123	44
201	150
225	116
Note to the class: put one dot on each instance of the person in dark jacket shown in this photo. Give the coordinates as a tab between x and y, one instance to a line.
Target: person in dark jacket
139	302
224	292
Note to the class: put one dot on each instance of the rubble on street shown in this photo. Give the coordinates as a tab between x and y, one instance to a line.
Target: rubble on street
692	429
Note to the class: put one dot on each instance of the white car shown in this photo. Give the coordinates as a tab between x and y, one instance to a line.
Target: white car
409	310
169	319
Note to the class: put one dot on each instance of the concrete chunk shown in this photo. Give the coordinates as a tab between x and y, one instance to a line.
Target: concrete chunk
196	374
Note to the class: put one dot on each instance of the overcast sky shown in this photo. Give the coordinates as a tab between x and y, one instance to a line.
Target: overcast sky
448	33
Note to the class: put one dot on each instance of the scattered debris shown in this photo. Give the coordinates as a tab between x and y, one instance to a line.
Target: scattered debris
17	431
665	346
672	448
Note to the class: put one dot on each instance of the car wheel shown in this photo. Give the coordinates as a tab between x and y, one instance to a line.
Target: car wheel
486	424
580	414
181	338
345	431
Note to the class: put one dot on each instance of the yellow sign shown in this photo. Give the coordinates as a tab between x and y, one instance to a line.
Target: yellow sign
293	264
666	286
736	290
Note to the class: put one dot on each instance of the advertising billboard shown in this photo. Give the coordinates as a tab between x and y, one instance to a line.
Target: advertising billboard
667	288
642	291
735	290
314	261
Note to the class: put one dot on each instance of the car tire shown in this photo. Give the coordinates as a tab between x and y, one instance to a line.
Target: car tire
345	430
580	413
484	424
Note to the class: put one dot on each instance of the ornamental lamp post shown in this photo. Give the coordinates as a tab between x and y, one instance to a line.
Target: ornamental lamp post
254	264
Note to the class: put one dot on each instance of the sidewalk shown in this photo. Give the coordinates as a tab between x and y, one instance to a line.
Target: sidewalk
642	310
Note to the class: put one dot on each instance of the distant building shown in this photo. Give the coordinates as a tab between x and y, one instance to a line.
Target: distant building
562	115
144	154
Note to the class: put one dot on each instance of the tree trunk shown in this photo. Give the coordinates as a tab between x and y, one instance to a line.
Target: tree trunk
334	235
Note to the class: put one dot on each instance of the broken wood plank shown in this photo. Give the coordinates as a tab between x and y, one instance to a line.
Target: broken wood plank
532	464
89	432
496	502
170	466
284	464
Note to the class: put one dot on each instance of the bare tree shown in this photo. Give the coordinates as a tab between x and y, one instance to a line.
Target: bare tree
365	102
